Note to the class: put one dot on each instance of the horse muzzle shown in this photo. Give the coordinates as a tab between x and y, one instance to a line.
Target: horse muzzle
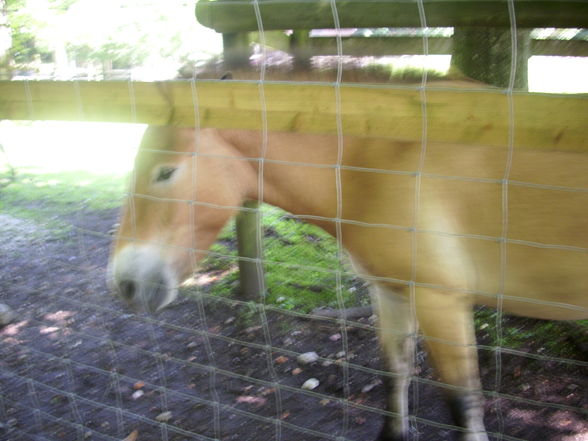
142	278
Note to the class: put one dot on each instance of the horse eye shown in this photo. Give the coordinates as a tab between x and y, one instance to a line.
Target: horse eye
165	173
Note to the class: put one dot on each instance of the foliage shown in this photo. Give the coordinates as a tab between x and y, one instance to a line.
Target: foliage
49	197
23	29
7	171
123	33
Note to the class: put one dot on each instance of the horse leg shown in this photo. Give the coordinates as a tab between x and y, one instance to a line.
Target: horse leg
397	328
446	322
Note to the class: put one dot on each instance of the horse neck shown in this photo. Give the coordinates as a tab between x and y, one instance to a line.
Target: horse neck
296	171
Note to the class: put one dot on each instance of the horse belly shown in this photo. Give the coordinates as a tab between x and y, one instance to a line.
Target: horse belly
540	271
546	283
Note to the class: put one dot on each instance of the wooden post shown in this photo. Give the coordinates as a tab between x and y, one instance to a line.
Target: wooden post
484	54
478	117
248	230
239	16
300	48
236	50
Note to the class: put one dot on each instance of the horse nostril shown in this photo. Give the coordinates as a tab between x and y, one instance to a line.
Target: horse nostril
127	289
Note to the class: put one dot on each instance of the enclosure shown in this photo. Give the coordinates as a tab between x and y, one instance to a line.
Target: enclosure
289	350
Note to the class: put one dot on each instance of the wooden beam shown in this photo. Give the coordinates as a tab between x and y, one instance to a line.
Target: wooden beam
379	46
560	48
239	15
454	115
382	46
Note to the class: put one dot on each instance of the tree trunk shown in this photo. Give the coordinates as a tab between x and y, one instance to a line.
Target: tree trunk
5	43
485	54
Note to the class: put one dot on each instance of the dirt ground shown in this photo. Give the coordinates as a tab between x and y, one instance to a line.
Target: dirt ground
76	366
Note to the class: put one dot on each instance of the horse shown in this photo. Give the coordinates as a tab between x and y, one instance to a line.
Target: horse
434	234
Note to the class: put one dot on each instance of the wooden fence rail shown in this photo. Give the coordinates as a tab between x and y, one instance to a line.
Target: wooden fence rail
454	115
394	45
240	15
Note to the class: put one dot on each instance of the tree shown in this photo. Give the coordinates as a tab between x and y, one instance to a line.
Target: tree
107	33
5	41
27	22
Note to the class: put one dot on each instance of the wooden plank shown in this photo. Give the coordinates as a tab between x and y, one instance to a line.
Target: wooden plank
239	15
114	101
381	46
561	48
464	116
248	229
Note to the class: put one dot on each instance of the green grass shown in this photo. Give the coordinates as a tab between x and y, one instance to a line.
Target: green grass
60	192
554	338
61	169
49	199
300	261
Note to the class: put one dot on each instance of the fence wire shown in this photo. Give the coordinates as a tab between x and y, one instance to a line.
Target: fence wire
76	366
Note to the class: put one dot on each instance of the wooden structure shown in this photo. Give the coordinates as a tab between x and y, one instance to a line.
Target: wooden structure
235	19
404	45
464	116
480	45
229	16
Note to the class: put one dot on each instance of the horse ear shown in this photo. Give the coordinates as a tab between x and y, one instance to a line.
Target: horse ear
227	76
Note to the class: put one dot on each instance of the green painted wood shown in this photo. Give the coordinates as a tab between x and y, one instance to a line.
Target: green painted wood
236	50
248	230
239	15
381	46
562	48
486	54
299	47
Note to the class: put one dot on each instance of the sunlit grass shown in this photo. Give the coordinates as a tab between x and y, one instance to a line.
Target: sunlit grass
62	169
561	338
53	200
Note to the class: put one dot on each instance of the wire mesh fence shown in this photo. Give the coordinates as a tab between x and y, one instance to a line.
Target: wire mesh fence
76	364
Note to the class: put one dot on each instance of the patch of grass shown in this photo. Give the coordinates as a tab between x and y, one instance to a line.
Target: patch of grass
47	198
300	265
555	338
